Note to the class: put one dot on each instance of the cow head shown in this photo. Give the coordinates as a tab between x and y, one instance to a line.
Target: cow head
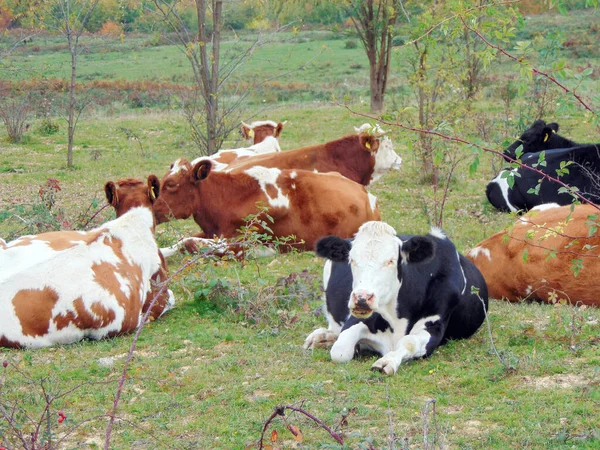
179	189
386	159
376	256
130	193
540	136
258	131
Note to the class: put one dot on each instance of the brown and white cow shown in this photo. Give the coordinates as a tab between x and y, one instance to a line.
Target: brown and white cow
547	255
64	286
362	158
257	131
304	204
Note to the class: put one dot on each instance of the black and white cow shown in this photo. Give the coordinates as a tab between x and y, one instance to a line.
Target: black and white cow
400	296
540	136
583	173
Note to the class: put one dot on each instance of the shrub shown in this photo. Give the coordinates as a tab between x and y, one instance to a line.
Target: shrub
15	112
350	44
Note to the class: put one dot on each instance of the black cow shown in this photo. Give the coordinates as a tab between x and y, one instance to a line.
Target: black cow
540	136
400	296
583	173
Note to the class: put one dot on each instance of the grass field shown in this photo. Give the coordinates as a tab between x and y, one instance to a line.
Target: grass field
208	374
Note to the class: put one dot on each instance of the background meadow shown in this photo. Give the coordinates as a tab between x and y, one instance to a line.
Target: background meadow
209	373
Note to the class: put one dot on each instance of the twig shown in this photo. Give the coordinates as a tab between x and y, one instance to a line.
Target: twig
280	411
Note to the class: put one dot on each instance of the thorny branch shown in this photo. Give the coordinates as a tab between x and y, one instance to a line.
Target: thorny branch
280	411
533	69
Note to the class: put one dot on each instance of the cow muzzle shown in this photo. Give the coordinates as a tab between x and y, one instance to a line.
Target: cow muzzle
361	304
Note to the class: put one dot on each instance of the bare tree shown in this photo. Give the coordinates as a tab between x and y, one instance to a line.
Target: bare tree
69	17
212	71
375	22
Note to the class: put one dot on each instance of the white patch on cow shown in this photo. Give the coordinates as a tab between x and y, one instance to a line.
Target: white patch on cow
293	175
504	188
438	233
410	346
374	263
544	280
70	273
372	201
386	159
327	273
545	206
269	145
265	176
462	270
529	290
476	251
178	167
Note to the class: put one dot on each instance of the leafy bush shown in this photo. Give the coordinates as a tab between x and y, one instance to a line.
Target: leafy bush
351	44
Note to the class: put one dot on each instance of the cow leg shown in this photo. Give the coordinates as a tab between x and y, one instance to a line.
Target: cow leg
344	347
424	337
323	337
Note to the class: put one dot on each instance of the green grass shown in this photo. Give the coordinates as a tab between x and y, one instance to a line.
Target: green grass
210	372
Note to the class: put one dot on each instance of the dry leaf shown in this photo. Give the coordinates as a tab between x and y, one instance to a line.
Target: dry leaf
296	432
274	435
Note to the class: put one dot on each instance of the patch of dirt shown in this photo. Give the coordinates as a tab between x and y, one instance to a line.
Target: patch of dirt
562	381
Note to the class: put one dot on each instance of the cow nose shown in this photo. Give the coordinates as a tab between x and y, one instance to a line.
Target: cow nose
363	299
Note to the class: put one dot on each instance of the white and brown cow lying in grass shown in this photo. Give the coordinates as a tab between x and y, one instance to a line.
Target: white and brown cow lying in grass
400	296
258	130
64	286
551	253
304	204
363	157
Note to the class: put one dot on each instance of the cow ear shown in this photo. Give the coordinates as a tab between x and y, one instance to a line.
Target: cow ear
202	170
553	126
153	187
245	130
333	248
110	189
547	133
279	129
418	249
368	142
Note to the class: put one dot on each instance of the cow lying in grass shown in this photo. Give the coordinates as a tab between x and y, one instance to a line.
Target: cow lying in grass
362	157
257	131
400	296
302	204
65	286
549	254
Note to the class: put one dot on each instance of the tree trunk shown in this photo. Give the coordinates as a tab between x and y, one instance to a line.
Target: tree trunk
72	100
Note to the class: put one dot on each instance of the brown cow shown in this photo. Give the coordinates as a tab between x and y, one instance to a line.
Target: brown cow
257	131
64	286
546	255
361	157
304	204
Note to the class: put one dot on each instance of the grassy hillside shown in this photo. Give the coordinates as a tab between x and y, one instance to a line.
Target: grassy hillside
212	371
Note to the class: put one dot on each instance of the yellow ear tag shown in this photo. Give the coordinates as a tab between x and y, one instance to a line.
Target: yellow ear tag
251	133
367	144
546	137
152	194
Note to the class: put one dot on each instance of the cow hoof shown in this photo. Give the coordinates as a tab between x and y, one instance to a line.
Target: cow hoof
320	338
383	366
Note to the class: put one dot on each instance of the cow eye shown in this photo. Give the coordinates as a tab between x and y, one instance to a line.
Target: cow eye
391	262
171	185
